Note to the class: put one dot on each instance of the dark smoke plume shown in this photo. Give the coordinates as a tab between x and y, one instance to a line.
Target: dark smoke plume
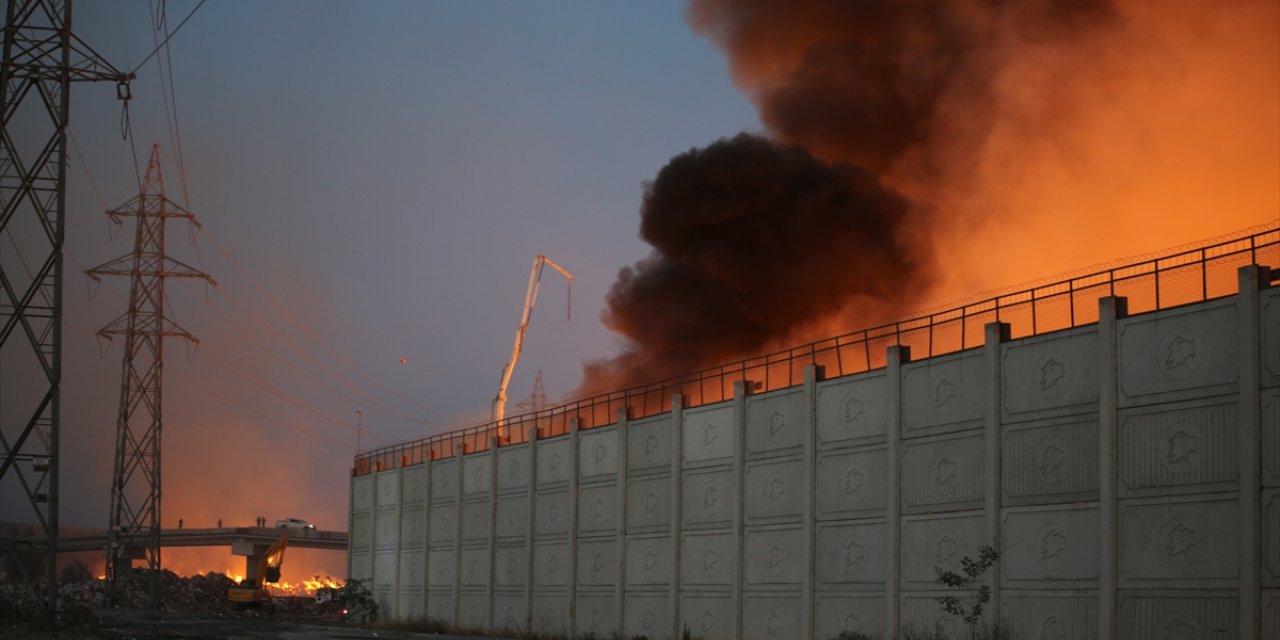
758	242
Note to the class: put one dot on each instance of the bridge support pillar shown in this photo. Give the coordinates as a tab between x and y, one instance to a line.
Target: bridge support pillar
253	553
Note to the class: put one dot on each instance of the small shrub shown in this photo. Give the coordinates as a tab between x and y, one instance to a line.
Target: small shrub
968	609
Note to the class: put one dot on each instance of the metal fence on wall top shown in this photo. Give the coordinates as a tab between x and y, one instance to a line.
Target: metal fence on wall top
1150	284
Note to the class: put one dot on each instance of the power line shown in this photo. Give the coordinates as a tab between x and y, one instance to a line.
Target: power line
168	37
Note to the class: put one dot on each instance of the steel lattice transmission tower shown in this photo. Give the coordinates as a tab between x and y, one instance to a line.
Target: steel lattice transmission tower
134	528
41	59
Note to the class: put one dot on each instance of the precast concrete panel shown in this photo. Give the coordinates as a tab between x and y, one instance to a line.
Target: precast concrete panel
475	566
649	503
414	481
444	476
648	561
362	494
443	523
1196	616
1269	310
1271	438
649	444
709	616
837	613
513	517
552	515
1271	614
411	570
473	610
922	615
708	433
513	467
387	529
1050	375
708	497
384	569
551	614
1054	547
774	557
942	473
706	560
1180	448
1051	616
851	553
510	566
385	598
413	527
1193	542
510	611
852	410
443	563
551	564
475	521
597	563
388	488
597	614
1179	354
361	532
944	393
1271	538
361	565
440	605
770	616
939	541
598	453
646	614
410	603
553	461
477	474
597	509
775	490
776	421
851	483
1044	463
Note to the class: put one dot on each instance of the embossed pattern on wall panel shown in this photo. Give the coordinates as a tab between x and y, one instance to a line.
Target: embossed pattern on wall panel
649	561
1047	463
513	468
443	523
770	616
775	490
852	410
708	434
475	566
597	614
443	563
384	569
440	605
387	528
1269	310
944	393
939	541
411	602
553	461
707	560
1271	438
1271	538
597	563
551	514
851	483
361	532
1052	616
708	616
942	474
444	478
851	553
1271	614
1191	542
649	444
510	565
362	494
837	613
1178	615
513	517
551	614
646	614
922	615
388	489
708	498
1050	547
510	611
411	569
597	509
1180	353
598	452
361	565
475	521
473	609
551	564
776	421
414	483
1050	375
413	527
649	504
1174	450
774	557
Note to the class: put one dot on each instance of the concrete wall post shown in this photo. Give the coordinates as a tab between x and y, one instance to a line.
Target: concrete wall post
395	592
620	538
1110	311
426	535
457	535
677	508
574	472
1251	279
897	356
740	392
997	333
493	526
532	498
812	375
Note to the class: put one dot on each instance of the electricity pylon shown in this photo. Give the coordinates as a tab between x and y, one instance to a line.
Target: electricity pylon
41	59
134	528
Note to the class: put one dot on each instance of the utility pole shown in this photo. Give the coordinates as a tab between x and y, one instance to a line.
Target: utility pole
134	527
40	61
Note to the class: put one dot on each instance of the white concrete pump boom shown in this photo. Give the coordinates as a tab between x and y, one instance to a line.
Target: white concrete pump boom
530	296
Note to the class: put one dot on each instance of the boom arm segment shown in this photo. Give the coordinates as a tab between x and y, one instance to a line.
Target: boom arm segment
530	297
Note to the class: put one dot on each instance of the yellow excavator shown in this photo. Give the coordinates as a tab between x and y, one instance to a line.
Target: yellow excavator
252	591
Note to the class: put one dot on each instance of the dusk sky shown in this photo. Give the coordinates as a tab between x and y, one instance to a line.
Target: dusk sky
375	179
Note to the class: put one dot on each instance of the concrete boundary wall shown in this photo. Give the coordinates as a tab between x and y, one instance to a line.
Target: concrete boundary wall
1128	471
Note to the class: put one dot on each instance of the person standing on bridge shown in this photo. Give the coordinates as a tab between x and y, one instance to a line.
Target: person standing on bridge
179	523
219	523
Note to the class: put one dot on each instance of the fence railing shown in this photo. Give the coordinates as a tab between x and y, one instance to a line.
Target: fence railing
1181	277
